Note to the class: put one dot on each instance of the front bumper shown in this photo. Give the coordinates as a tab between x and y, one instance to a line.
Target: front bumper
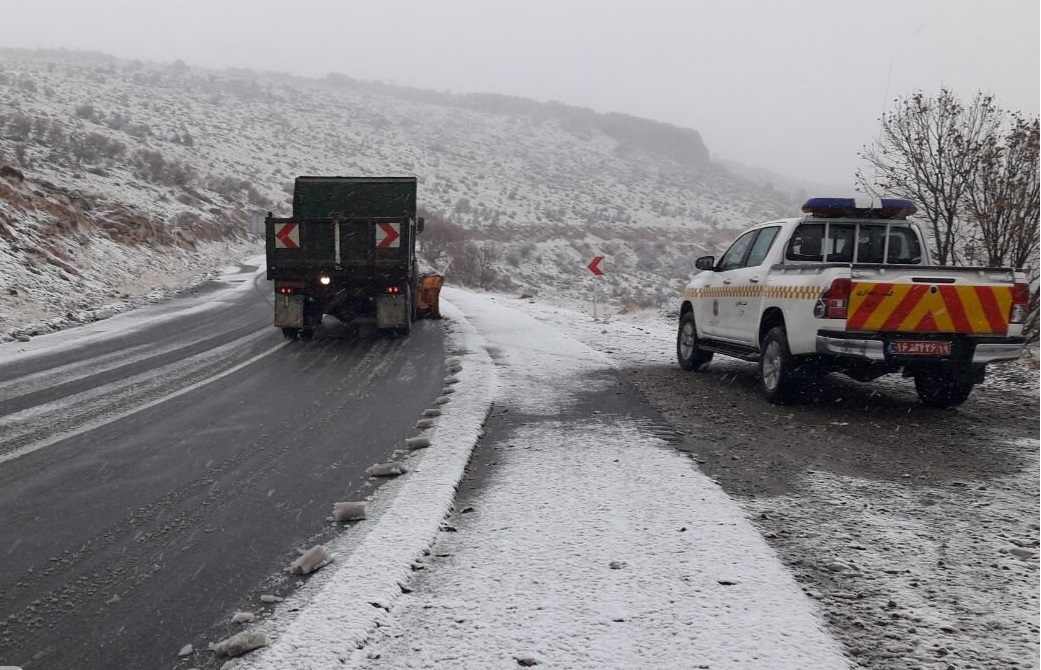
875	347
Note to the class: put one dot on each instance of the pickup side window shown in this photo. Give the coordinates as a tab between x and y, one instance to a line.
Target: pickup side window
871	244
735	256
903	247
839	245
761	246
806	243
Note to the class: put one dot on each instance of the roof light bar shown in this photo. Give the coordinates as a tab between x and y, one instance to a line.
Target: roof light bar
883	208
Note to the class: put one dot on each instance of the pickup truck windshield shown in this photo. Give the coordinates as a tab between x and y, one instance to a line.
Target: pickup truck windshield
864	242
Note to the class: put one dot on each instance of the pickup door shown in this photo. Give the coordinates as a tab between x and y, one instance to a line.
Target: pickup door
715	310
734	291
749	284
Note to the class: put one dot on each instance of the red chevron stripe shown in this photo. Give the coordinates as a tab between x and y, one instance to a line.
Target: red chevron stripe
956	309
868	307
991	310
904	308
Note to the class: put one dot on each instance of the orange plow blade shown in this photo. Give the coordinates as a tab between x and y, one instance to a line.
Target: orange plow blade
429	298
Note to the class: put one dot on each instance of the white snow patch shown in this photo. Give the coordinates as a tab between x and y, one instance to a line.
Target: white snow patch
314	558
349	511
391	469
414	443
240	643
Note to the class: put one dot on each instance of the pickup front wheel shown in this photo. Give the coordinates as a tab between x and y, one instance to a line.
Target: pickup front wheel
941	389
775	367
690	355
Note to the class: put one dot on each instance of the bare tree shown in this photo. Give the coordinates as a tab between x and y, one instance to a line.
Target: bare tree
1005	204
474	264
928	151
438	237
1005	199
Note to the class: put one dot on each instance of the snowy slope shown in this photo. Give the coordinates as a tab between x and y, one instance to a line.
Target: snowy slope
543	187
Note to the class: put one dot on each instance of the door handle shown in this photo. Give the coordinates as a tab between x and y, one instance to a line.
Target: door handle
754	280
726	281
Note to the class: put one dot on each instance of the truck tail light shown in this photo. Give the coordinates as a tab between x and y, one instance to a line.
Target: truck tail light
393	289
287	286
836	299
1020	303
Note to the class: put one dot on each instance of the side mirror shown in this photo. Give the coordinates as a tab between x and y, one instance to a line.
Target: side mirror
419	224
705	263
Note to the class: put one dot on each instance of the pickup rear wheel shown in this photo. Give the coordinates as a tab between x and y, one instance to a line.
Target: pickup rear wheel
690	355
941	389
775	367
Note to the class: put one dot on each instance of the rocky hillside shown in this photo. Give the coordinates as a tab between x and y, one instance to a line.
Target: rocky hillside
520	195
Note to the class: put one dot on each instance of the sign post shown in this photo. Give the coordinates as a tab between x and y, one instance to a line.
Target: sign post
598	272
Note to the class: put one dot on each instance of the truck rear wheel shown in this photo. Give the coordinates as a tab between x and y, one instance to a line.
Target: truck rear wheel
290	333
690	356
776	367
941	389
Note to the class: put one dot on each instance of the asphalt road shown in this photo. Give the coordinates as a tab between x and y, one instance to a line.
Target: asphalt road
154	482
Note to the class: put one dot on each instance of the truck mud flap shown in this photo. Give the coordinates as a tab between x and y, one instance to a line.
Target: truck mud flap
392	311
289	311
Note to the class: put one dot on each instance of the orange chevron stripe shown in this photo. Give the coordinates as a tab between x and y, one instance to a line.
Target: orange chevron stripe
877	306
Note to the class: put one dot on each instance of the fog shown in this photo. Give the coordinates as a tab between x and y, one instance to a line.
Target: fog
796	87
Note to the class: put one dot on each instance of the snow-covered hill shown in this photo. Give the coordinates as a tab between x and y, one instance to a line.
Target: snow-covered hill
520	195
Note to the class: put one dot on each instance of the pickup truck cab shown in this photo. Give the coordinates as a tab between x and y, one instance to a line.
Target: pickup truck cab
850	288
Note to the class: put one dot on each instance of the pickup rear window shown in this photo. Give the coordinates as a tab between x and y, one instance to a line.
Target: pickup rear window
854	242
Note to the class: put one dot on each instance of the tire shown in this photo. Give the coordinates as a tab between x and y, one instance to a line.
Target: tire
307	334
690	355
941	389
290	333
776	367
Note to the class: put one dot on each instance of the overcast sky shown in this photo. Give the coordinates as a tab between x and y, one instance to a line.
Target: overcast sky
796	87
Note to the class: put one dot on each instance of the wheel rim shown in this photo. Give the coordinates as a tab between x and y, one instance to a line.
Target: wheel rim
772	365
687	341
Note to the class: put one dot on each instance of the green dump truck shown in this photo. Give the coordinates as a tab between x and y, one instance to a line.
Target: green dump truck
349	251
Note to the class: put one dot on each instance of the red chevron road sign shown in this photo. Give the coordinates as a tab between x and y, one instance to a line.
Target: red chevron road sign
287	236
388	234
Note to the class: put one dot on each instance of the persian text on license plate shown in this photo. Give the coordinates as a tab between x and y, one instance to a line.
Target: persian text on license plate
920	348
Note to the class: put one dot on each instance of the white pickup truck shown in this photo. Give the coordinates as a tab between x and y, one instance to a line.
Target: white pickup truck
850	288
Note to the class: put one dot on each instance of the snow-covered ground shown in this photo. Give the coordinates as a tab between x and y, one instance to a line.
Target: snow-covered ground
595	544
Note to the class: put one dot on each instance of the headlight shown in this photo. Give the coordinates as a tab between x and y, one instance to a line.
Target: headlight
324	280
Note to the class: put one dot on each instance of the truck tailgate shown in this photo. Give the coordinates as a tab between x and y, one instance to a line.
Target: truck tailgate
931	300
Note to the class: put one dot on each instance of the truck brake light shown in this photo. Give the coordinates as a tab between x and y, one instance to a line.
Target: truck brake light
287	287
393	289
1020	303
836	298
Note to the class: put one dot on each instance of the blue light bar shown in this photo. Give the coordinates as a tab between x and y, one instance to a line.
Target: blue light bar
884	208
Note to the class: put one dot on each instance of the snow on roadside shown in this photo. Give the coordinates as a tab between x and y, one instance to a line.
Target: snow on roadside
341	610
594	544
113	279
125	318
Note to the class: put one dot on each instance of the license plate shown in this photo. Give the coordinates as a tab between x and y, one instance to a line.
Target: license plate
920	348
